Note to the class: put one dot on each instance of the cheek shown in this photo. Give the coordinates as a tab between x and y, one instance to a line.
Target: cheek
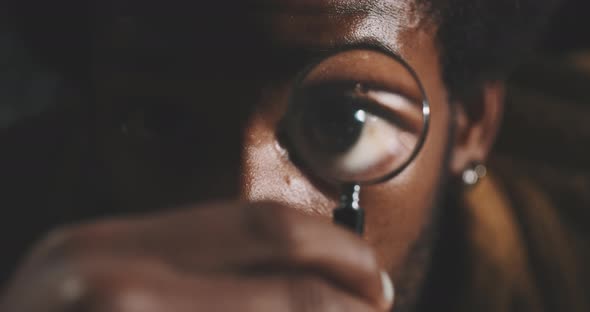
399	210
267	171
268	175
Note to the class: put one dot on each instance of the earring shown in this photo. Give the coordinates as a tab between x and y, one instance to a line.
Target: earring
474	174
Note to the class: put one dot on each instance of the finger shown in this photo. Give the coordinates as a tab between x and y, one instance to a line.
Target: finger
101	284
170	292
286	293
223	237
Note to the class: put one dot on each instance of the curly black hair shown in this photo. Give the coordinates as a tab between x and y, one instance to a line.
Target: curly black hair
482	40
479	39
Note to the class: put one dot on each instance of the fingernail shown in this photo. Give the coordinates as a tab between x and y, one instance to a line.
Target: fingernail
388	289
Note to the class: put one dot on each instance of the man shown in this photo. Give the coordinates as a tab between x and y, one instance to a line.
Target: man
177	192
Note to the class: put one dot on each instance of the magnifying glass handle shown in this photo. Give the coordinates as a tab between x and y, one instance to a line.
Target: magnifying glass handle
350	214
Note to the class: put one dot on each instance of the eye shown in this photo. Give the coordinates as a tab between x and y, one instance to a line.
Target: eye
352	133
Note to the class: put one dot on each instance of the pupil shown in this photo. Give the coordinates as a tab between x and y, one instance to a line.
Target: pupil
333	125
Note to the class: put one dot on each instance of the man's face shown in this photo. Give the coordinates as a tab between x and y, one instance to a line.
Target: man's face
190	98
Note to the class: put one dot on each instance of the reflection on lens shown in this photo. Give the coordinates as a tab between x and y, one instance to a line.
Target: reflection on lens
351	132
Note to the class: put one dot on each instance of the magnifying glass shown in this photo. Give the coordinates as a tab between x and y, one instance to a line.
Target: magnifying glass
356	118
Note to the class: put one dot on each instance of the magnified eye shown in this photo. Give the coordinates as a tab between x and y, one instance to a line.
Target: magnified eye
353	135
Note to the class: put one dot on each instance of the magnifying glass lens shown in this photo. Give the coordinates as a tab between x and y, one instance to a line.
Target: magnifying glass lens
357	127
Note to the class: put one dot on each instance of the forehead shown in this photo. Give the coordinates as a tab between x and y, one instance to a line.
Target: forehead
251	24
328	22
225	40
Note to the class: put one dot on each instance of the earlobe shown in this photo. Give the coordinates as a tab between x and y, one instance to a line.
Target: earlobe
477	121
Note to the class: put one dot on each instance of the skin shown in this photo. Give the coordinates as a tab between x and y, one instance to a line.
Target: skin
218	210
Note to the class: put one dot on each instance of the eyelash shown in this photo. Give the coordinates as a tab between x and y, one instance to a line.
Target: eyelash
358	91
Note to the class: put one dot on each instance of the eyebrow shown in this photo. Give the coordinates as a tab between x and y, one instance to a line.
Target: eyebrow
387	13
316	55
361	43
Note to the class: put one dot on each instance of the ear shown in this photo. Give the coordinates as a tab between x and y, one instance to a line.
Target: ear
477	121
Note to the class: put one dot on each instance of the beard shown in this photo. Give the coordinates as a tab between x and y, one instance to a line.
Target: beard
418	287
419	264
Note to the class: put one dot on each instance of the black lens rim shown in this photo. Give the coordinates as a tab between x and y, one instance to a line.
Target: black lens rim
426	109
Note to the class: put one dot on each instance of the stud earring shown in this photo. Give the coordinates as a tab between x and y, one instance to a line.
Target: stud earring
474	173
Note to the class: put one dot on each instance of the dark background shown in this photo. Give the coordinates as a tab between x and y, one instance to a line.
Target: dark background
43	44
570	29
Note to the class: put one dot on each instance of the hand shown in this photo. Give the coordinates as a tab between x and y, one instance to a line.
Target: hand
215	257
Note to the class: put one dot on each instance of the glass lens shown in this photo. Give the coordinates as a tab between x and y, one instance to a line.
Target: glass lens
358	122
